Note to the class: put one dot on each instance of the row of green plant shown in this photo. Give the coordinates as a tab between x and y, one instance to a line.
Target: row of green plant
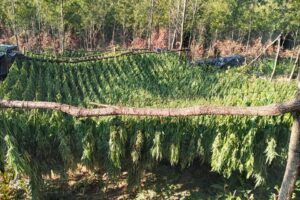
141	80
36	142
72	55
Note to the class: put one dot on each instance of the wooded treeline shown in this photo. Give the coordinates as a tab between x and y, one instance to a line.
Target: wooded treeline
93	24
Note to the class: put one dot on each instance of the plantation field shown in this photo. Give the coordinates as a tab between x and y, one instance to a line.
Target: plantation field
140	80
36	142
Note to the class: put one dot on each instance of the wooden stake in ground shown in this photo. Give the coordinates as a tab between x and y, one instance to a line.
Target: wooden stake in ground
293	162
295	64
276	58
291	171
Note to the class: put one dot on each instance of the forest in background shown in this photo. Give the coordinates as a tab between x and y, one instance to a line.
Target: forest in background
198	24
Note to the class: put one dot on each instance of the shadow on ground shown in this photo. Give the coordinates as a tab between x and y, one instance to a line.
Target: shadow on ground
162	183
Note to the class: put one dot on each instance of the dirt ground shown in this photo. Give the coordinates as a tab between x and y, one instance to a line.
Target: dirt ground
164	182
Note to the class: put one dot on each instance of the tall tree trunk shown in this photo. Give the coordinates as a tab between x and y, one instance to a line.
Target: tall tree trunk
33	31
62	27
14	22
295	38
113	34
38	16
150	25
124	32
91	36
86	39
249	36
193	22
175	22
173	38
182	24
206	39
169	31
53	38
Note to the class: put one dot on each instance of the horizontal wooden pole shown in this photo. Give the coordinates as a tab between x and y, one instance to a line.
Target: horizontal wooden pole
108	110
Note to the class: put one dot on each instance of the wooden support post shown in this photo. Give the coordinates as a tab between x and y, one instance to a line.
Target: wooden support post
276	59
293	162
295	64
291	171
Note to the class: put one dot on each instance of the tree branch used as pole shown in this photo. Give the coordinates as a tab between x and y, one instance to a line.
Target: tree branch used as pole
291	171
276	58
295	64
293	162
111	110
